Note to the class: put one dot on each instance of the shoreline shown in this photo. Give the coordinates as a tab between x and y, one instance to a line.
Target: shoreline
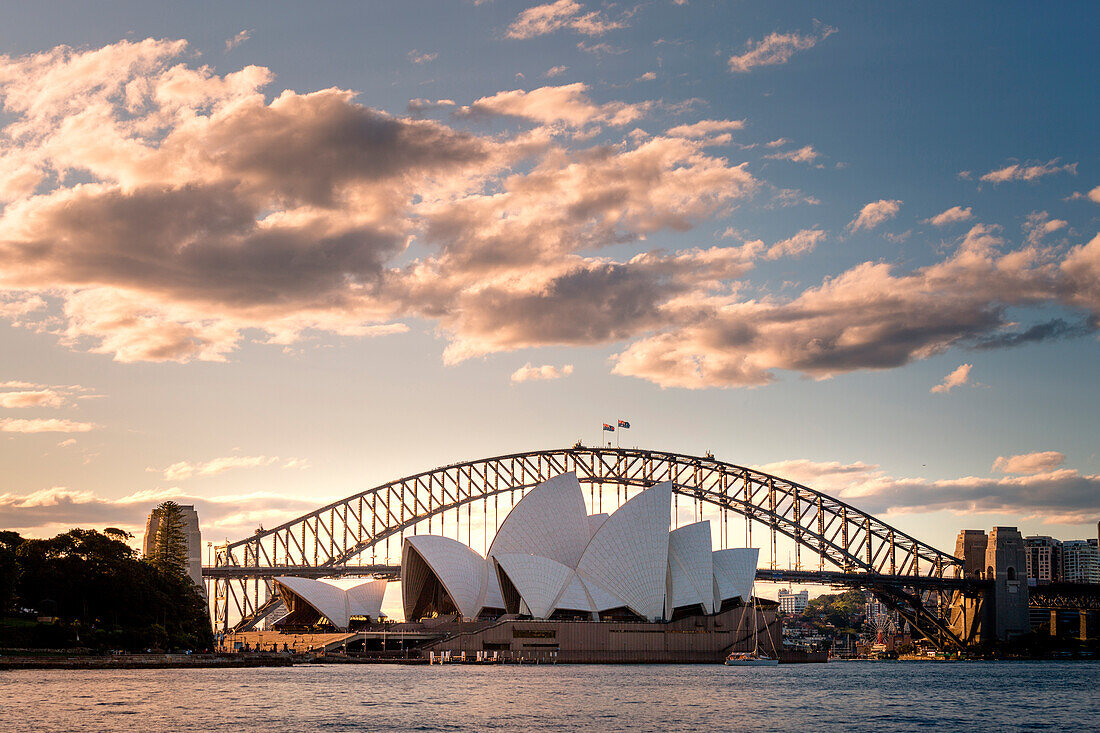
141	661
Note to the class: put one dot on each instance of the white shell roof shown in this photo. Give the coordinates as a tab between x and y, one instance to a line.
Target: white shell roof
600	598
338	601
491	595
628	554
690	570
576	597
539	580
365	599
550	520
461	571
734	573
595	520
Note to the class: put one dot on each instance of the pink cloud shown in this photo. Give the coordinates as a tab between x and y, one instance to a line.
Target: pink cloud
953	215
1030	463
40	425
567	104
776	48
528	372
805	154
1056	496
1031	171
541	20
873	214
957	378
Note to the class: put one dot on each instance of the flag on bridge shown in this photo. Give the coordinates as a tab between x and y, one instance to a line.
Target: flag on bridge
624	424
609	428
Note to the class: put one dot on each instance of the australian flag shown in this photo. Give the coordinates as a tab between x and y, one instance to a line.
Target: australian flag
609	428
624	424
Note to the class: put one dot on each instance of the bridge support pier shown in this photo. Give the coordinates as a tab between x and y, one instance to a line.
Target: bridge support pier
1084	630
1054	622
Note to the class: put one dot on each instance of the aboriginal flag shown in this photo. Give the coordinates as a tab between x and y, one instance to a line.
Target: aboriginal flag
609	428
624	424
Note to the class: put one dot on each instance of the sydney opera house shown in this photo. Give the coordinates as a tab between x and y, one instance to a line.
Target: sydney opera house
556	583
550	559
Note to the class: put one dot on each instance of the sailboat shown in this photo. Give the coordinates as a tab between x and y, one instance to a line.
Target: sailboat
757	657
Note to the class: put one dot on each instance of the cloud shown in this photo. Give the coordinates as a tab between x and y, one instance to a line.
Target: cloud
567	104
778	143
706	129
17	394
957	378
1029	463
39	425
527	372
868	317
1030	171
1053	496
953	215
541	20
555	71
805	154
422	57
1039	224
600	49
52	511
184	470
648	76
32	398
237	40
801	243
873	214
177	212
1094	195
776	48
1056	328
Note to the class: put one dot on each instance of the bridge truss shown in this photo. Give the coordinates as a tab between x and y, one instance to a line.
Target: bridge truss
847	546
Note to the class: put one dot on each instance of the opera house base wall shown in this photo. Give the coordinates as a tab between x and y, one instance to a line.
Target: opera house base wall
691	640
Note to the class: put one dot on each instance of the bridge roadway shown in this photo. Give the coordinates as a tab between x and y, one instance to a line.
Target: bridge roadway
772	575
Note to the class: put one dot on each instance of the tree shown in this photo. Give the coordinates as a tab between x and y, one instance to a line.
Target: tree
9	569
95	584
170	544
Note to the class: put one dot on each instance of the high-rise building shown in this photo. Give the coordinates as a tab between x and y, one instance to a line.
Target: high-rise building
791	602
1080	561
1044	560
191	534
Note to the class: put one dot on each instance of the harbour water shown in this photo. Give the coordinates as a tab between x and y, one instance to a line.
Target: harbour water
836	696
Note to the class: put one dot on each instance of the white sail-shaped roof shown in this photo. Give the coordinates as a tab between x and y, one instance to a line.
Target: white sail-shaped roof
491	597
734	573
628	554
600	598
551	521
595	520
336	600
365	599
576	597
326	599
461	571
539	580
690	570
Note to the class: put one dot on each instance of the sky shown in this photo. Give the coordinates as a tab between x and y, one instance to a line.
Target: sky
260	256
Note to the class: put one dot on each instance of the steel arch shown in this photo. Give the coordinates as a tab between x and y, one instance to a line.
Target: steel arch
836	533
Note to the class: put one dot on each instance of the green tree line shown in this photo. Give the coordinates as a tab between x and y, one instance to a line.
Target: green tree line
101	594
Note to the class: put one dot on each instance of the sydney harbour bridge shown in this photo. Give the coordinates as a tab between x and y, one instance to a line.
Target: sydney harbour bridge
834	543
